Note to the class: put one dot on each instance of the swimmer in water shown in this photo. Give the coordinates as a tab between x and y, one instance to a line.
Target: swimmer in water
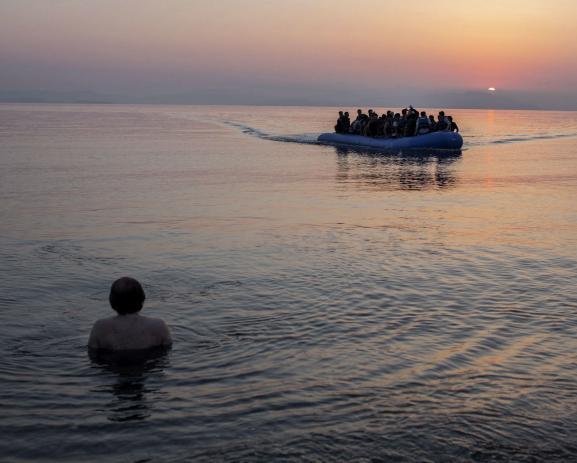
128	330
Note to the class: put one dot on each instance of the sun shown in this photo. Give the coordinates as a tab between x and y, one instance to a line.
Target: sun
491	89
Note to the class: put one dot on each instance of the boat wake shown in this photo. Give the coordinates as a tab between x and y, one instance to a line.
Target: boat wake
470	140
514	138
305	138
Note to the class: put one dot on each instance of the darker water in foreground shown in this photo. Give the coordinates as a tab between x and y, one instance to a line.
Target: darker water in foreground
326	305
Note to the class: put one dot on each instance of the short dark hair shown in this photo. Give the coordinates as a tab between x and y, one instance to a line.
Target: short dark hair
126	296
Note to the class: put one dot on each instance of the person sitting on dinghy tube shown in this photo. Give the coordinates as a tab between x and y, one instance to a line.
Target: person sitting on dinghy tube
442	122
343	123
453	127
339	125
357	125
346	125
411	124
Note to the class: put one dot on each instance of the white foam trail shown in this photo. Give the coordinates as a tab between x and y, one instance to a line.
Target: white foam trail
311	138
516	139
305	138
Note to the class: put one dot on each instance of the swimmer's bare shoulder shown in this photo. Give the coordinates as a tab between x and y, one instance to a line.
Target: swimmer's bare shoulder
160	331
128	332
97	334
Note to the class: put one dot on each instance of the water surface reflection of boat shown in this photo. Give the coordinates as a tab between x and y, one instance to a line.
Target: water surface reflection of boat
377	171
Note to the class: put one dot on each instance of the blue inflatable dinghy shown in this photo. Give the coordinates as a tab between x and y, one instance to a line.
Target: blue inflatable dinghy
429	141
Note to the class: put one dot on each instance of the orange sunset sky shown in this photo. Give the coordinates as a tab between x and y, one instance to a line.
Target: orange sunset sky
231	51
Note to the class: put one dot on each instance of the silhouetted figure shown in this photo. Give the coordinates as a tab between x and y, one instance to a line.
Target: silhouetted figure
423	124
380	126
411	121
402	123
389	124
453	127
370	128
346	122
397	128
339	125
358	125
128	330
442	122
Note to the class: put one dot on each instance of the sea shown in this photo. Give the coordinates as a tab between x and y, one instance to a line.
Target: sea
327	304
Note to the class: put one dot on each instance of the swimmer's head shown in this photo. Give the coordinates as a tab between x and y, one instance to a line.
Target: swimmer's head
126	296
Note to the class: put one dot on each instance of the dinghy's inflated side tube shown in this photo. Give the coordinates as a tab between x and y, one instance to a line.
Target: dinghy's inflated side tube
434	141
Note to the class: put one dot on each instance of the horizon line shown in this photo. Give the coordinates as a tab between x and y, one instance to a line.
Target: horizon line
284	105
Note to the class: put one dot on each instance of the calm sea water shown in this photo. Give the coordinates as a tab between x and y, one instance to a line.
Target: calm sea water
326	304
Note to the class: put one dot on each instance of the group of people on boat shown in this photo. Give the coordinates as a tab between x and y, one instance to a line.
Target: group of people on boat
408	123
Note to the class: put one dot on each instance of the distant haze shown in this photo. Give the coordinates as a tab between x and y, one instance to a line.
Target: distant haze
317	52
